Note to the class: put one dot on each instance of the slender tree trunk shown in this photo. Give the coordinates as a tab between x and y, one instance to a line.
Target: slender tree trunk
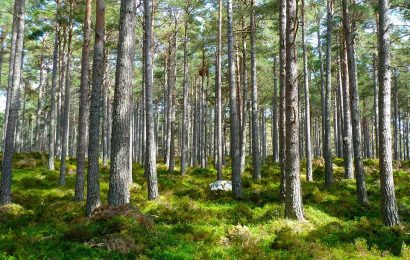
53	112
309	175
118	192
218	95
184	128
256	158
376	104
245	100
150	155
293	202
82	117
388	197
66	113
93	176
16	64
282	94
347	127
327	150
234	120
275	142
354	106
395	116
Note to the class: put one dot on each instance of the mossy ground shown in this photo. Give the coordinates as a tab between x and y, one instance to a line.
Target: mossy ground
191	222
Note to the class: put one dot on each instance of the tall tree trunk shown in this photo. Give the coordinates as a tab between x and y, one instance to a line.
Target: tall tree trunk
327	149
347	127
309	175
396	125
218	95
93	176
118	192
151	158
234	119
245	99
16	64
354	106
184	128
293	202
388	197
66	113
376	104
282	99
82	117
256	158
275	142
53	112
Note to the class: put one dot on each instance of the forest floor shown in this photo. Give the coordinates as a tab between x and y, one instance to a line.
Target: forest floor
189	221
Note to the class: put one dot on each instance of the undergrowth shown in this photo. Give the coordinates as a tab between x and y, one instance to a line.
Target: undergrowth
189	221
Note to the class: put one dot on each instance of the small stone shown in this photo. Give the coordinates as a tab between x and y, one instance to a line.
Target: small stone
221	185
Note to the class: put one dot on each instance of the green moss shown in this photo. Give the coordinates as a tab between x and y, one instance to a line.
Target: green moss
189	221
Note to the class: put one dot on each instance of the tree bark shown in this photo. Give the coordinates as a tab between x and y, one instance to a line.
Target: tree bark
282	99
309	175
234	119
66	112
256	157
118	192
184	137
388	197
218	95
293	201
150	154
327	150
354	106
16	65
93	176
82	117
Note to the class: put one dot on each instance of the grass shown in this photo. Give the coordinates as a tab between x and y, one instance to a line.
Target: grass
189	221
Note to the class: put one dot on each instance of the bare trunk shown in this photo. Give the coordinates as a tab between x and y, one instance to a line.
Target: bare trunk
293	201
118	192
82	117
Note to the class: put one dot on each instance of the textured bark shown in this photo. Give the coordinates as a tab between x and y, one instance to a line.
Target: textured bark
388	197
376	104
53	112
245	100
234	119
354	106
347	127
275	130
16	64
41	87
66	111
150	154
93	176
219	96
327	150
118	192
256	157
184	128
82	117
10	73
293	201
309	174
396	124
282	100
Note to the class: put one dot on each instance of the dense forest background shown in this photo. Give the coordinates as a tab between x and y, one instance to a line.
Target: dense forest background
204	129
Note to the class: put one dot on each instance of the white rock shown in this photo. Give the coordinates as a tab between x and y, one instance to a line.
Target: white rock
221	185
